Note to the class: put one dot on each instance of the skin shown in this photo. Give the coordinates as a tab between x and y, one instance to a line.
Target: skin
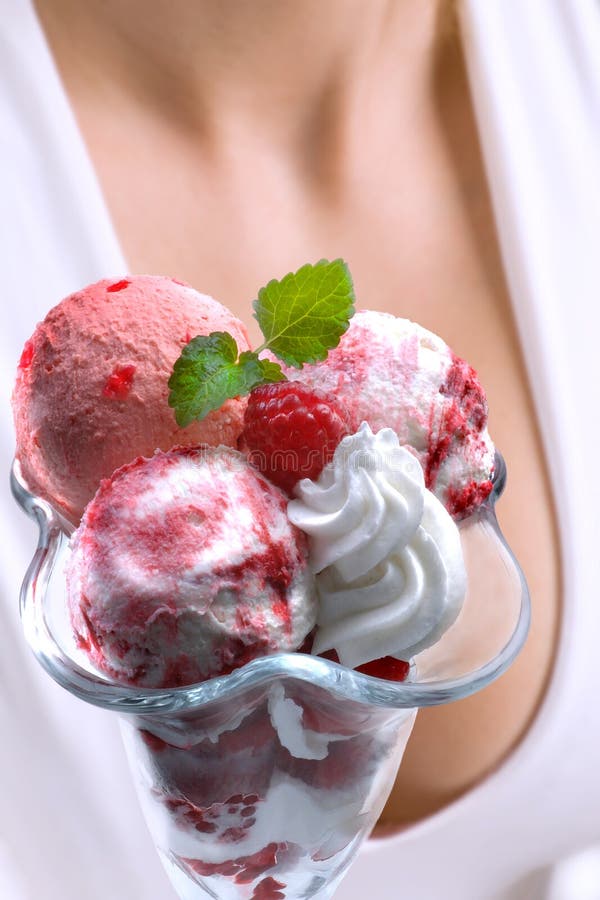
235	141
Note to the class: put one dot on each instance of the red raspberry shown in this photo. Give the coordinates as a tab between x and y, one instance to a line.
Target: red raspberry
291	431
387	667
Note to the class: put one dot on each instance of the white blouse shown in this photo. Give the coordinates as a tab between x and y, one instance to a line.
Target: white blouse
71	829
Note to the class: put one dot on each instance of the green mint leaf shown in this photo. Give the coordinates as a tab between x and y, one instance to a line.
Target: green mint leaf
259	371
304	315
209	372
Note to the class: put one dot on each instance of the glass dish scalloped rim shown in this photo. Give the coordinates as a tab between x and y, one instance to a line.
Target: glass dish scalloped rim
54	533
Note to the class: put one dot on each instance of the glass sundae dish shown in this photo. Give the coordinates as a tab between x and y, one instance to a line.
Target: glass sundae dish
264	782
267	588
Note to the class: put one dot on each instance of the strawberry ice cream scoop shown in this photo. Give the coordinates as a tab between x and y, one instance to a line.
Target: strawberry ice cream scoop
92	385
391	372
186	566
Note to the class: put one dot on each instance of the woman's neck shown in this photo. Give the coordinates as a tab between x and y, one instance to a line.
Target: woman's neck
298	70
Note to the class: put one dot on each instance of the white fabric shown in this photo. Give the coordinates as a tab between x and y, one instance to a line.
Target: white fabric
70	828
70	825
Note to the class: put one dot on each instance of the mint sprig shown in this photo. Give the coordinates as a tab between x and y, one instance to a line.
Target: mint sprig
302	317
210	370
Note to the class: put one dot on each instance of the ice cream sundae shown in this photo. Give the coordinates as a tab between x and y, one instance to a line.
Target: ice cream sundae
239	504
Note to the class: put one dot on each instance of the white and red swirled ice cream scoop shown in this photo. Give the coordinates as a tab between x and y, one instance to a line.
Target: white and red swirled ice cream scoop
392	373
186	566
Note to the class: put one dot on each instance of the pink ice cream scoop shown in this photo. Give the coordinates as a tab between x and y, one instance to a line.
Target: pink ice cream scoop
92	384
391	372
186	566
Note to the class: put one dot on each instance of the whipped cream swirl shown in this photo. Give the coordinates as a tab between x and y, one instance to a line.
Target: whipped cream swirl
387	555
